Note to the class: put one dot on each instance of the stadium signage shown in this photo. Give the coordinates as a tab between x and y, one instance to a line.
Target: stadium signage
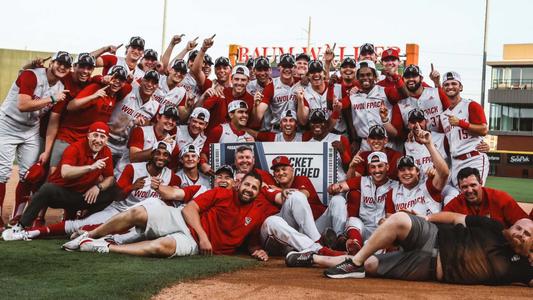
315	52
494	157
519	159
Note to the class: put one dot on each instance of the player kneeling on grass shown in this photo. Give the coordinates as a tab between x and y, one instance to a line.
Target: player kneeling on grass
436	248
218	221
76	182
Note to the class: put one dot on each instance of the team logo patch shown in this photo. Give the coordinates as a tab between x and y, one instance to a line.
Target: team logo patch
247	221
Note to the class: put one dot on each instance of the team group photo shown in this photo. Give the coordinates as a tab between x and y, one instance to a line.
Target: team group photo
349	165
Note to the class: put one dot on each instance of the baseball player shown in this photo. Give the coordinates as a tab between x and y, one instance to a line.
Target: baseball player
206	225
362	109
302	68
288	126
417	193
250	65
218	105
263	77
279	95
143	138
189	173
194	131
302	215
477	200
201	68
130	63
137	108
76	183
390	60
169	91
464	124
368	204
319	133
377	141
33	94
231	132
367	52
149	61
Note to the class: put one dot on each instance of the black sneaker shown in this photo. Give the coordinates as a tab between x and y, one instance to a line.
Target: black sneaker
299	259
346	269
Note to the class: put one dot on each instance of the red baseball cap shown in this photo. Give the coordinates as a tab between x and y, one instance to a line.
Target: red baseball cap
35	174
280	161
391	52
99	127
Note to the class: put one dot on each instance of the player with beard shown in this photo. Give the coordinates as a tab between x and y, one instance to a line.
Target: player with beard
366	201
218	105
319	133
302	215
465	125
245	163
477	200
288	126
134	53
433	101
137	108
362	109
189	172
76	183
194	131
315	97
417	193
143	138
279	95
33	94
203	226
377	140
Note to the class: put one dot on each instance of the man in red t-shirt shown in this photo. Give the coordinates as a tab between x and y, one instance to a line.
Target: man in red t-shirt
302	213
476	200
216	222
76	184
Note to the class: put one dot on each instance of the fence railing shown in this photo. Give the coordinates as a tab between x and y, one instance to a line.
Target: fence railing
512	84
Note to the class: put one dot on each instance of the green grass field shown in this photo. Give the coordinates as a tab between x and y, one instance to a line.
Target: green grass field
40	270
521	189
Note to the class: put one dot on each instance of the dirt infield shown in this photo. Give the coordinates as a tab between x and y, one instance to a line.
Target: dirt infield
272	280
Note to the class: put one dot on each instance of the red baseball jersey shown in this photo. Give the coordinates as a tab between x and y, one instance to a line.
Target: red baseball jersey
228	221
79	154
497	205
218	107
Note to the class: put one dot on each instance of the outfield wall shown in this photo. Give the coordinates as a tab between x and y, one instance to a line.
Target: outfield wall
511	164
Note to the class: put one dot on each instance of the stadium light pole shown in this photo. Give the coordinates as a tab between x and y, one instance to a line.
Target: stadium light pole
164	26
484	67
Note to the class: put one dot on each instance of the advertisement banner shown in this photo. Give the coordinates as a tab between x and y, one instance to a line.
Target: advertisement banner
317	161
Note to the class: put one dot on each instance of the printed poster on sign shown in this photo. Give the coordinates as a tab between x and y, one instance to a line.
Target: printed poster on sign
317	161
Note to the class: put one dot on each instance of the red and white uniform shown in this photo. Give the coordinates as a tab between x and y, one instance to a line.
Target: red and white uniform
421	154
424	199
253	87
124	115
187	181
369	204
111	60
225	133
462	144
191	86
218	107
183	137
19	131
365	109
344	157
392	157
280	97
339	91
131	173
433	101
497	205
143	138
166	96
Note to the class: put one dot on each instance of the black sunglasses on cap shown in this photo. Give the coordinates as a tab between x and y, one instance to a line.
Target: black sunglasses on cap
406	161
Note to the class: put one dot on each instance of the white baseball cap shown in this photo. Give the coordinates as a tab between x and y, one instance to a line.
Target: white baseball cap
377	156
236	104
366	63
240	70
189	148
200	113
451	75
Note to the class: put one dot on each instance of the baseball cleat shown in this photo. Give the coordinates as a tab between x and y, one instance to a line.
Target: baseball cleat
94	245
346	269
13	222
74	244
299	259
15	233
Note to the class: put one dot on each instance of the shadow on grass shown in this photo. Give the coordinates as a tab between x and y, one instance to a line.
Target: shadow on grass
40	270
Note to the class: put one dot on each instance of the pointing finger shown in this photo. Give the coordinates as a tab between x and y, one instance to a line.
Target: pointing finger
47	58
195	39
182	35
65	91
119	46
105	158
432	67
334	45
213	36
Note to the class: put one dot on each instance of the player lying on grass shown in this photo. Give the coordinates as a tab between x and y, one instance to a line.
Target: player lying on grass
447	247
218	221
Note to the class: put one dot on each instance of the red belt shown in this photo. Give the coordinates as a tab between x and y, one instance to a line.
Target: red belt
467	155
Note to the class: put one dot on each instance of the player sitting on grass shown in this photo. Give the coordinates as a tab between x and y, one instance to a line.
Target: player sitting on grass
217	221
436	248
